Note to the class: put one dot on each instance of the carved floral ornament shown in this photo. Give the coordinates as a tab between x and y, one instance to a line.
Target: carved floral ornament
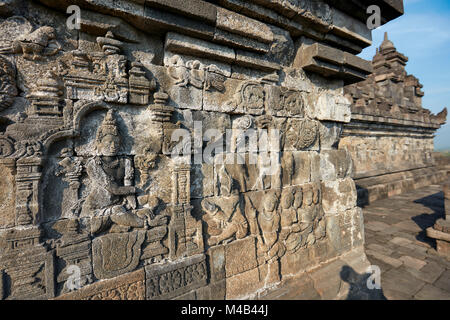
263	96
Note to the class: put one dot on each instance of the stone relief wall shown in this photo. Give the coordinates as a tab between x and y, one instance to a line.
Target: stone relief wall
391	135
94	123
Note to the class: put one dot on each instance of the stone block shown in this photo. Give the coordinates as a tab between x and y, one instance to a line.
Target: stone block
302	167
216	256
255	61
330	133
239	24
331	62
327	280
181	44
335	164
332	107
239	42
242	285
116	254
338	195
7	193
240	256
196	9
291	264
169	280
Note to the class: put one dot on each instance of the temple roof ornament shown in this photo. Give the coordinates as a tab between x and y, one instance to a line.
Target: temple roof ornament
390	91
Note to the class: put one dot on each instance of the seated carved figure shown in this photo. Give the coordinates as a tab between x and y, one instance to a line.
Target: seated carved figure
222	227
112	196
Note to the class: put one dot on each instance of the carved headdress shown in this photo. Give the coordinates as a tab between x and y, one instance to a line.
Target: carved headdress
108	127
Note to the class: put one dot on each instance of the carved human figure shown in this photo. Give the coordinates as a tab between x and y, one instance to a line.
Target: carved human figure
111	194
223	227
308	213
178	71
268	237
269	243
242	132
288	165
290	225
197	73
8	87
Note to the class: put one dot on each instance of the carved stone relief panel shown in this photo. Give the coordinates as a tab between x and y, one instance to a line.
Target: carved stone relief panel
119	159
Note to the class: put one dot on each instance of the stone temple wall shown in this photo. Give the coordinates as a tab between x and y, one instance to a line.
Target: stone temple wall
390	137
177	149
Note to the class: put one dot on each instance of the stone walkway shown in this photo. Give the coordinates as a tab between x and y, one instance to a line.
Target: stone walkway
396	241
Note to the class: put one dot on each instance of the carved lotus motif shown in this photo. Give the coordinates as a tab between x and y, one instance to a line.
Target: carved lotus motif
308	134
300	134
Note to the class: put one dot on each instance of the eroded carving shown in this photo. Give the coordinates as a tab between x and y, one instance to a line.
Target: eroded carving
116	254
35	45
105	76
112	196
8	87
196	74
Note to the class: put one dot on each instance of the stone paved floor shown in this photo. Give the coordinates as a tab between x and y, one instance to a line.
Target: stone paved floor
396	241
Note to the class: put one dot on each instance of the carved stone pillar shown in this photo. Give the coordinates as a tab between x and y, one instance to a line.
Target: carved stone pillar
185	233
28	265
27	185
8	192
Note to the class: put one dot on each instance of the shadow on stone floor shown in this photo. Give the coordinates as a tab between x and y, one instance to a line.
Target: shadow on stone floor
434	202
359	289
363	196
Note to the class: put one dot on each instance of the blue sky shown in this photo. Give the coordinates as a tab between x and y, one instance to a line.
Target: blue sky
423	35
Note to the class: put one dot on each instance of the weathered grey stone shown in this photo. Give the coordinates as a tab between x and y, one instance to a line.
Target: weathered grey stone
171	280
337	195
236	23
332	62
125	287
113	136
391	135
182	44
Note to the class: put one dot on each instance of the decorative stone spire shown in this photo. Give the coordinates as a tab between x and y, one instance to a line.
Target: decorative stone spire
46	96
387	59
387	44
161	112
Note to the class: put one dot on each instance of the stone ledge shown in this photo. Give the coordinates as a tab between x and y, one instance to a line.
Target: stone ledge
390	120
333	63
369	190
435	234
391	9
